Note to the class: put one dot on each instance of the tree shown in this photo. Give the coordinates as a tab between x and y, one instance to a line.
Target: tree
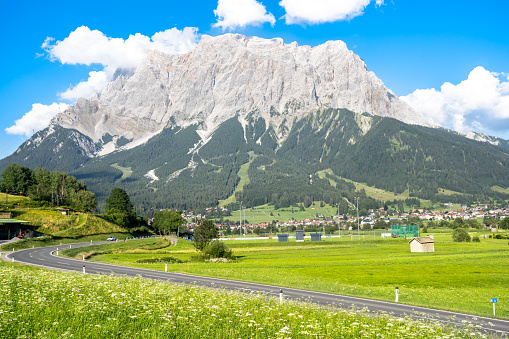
83	201
380	224
204	233
460	235
504	223
16	179
119	207
42	186
167	221
119	201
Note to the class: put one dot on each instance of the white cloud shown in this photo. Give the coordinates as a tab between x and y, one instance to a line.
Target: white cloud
85	46
321	11
35	120
240	13
481	102
95	83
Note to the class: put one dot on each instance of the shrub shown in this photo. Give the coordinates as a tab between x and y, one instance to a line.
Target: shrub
171	260
476	239
460	235
218	249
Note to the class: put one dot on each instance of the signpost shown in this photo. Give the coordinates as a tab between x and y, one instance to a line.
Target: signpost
494	301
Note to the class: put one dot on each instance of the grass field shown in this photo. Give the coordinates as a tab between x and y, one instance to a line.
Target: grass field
458	276
37	303
244	180
500	189
126	171
263	213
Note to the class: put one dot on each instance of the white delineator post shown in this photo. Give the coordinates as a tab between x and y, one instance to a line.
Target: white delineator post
57	251
281	295
166	267
83	269
397	294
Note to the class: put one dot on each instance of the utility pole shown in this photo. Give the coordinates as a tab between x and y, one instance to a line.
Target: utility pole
240	226
358	227
339	226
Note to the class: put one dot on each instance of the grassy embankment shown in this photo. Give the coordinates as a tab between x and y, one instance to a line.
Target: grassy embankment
458	276
38	303
65	229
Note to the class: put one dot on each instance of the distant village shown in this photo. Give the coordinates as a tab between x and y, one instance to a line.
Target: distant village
365	222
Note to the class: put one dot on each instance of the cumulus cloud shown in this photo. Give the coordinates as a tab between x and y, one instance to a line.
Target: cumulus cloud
322	11
96	81
480	103
85	46
38	118
240	13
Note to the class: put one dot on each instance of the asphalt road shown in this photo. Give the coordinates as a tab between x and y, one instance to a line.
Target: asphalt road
45	257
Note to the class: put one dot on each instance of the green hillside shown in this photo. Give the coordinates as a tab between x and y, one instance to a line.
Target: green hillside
251	164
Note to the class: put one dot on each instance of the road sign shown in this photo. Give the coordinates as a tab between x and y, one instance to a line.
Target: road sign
493	300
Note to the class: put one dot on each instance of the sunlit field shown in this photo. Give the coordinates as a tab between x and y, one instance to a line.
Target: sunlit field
457	276
38	303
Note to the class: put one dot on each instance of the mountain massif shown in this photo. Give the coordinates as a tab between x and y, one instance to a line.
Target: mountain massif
176	131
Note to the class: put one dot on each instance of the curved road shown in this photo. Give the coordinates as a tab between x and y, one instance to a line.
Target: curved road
45	257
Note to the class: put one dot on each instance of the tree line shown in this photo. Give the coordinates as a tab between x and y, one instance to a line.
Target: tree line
51	188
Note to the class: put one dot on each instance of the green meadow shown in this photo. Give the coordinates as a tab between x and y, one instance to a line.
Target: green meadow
38	303
457	276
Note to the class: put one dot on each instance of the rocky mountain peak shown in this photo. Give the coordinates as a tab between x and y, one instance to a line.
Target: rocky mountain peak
233	76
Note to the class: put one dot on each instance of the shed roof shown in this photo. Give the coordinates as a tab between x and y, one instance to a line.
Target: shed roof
423	240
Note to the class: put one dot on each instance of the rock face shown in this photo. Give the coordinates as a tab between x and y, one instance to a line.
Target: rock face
233	76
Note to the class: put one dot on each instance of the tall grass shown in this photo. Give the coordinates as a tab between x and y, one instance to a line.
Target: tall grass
51	304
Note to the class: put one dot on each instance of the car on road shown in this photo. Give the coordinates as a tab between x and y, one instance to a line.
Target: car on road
111	239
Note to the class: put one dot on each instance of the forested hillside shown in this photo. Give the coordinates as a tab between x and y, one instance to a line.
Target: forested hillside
175	169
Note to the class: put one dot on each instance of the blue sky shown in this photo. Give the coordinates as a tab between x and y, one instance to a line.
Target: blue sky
449	60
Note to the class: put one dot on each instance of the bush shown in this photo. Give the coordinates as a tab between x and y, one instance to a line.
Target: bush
460	235
171	260
476	239
218	249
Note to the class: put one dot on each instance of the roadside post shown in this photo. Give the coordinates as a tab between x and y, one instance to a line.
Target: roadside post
281	295
397	294
83	269
83	257
493	301
166	267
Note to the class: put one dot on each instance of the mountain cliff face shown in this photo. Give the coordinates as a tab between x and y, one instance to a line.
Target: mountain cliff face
233	76
293	121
